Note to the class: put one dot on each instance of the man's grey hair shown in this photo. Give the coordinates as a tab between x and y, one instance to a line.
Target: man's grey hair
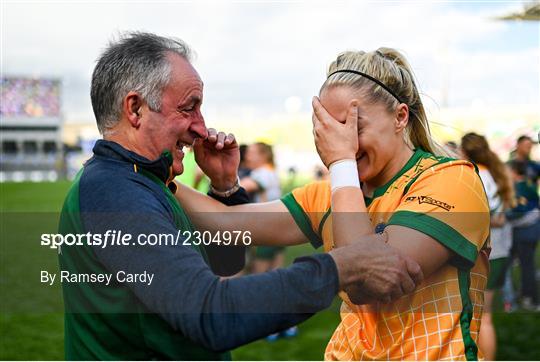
135	62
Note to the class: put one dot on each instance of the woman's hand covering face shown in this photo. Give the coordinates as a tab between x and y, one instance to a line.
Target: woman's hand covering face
335	140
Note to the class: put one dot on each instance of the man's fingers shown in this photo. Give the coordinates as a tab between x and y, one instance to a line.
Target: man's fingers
212	134
358	295
407	284
220	140
198	147
414	271
230	139
396	294
197	144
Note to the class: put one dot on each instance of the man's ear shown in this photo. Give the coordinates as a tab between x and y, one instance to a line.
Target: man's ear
402	117
132	107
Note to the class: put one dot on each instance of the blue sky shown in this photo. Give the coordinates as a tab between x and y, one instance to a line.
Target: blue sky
254	57
518	35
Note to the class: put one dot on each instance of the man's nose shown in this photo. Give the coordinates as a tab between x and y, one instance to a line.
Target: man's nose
198	127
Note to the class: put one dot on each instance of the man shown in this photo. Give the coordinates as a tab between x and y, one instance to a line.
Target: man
525	229
146	97
525	220
522	153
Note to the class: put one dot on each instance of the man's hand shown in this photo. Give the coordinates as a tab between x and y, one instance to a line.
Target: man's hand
218	156
372	270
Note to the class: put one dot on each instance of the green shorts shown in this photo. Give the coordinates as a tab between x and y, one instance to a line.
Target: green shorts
268	252
497	271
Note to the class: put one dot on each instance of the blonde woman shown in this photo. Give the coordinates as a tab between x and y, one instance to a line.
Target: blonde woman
387	178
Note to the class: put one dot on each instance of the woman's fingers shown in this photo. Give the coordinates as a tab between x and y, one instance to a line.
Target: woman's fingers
314	120
320	118
352	117
320	112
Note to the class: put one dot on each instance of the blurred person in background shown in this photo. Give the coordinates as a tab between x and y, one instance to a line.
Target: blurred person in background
522	153
525	219
397	188
263	183
243	169
500	194
263	180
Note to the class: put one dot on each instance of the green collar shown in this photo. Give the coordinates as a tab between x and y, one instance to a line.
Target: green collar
379	191
161	167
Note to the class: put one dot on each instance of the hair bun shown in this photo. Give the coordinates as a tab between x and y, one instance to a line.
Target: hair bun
395	56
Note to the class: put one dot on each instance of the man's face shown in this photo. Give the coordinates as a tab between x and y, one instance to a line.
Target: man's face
524	148
180	120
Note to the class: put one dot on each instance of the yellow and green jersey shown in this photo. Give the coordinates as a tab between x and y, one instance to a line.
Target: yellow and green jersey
440	197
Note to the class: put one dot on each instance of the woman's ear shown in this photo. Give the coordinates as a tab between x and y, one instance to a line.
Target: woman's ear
402	117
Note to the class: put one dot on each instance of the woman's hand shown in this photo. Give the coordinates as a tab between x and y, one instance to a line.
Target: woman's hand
335	140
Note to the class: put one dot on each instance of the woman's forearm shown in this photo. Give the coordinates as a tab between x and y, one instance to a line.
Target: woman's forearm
349	216
268	223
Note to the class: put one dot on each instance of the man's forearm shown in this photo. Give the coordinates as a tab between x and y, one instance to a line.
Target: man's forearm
223	314
245	309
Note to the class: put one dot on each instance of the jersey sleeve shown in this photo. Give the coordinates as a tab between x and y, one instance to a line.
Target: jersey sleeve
309	205
448	203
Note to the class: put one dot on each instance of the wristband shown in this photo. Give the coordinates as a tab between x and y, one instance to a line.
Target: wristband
343	173
228	192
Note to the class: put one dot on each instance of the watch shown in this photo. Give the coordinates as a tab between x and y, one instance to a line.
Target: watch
228	192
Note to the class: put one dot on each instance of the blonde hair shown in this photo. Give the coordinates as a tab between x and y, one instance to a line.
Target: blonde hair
392	69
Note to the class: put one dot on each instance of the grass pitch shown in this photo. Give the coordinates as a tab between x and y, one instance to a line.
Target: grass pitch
35	332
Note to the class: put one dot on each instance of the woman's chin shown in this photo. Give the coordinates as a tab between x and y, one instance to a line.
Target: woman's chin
363	169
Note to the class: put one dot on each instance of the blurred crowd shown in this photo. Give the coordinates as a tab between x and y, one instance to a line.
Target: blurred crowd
512	193
30	97
512	190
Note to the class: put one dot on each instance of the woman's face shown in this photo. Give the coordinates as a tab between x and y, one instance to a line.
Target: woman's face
378	135
253	157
